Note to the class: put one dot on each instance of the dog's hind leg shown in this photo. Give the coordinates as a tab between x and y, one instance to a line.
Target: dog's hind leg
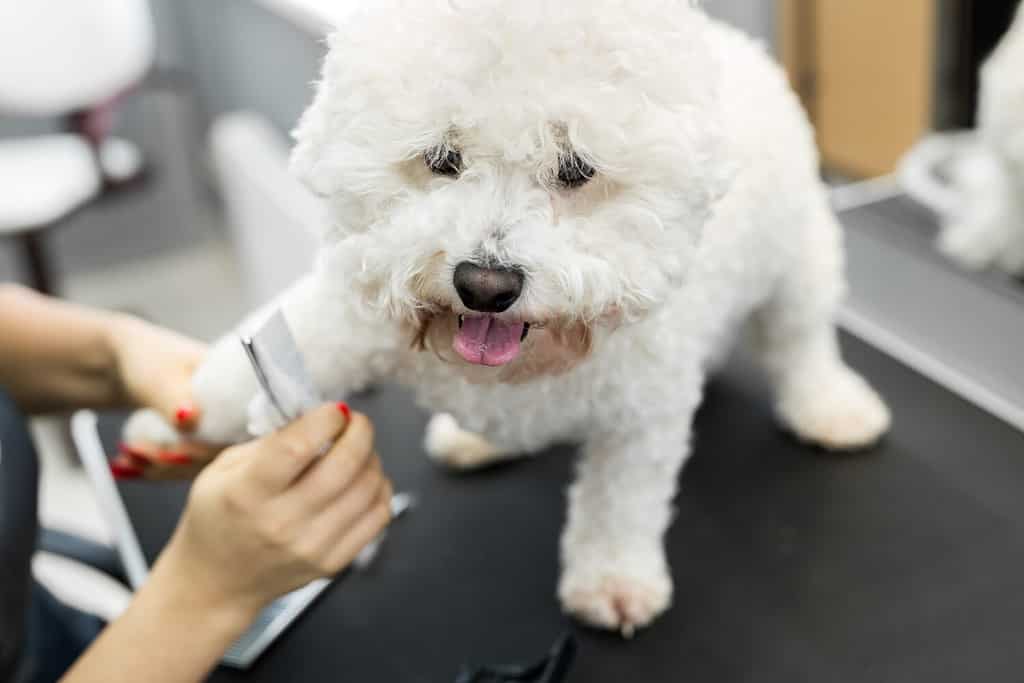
449	444
818	397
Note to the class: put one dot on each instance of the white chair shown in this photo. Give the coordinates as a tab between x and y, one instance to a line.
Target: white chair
273	218
71	59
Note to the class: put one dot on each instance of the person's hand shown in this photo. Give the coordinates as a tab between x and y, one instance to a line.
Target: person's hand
263	519
271	515
154	370
182	461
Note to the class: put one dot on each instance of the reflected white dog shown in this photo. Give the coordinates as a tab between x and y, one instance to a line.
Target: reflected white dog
984	215
551	220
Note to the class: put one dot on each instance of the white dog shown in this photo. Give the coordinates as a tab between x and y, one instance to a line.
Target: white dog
550	219
984	217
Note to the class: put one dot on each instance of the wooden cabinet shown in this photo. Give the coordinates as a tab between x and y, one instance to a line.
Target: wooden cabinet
866	70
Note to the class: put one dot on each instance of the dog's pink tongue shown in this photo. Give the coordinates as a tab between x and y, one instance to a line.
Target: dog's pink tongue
488	341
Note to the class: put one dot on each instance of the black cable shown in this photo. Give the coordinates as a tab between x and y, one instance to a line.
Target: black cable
554	668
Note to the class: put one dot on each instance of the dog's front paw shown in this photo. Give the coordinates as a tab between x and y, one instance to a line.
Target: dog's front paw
969	247
263	416
835	409
616	599
447	443
148	426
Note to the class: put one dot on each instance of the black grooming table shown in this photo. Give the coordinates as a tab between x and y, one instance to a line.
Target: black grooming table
903	564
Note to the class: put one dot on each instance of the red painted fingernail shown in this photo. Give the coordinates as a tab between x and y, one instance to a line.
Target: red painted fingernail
122	470
175	458
186	413
136	456
125	449
345	410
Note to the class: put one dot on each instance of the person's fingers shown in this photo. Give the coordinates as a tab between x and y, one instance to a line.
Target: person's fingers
173	400
354	538
323	483
184	453
176	473
332	522
180	462
184	414
123	469
279	459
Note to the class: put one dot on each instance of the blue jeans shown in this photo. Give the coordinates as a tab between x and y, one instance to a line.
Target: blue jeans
40	637
56	635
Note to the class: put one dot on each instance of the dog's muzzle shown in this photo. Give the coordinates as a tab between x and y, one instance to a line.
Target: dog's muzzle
486	339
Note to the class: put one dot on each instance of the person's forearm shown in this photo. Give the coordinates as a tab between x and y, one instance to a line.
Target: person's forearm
167	635
55	355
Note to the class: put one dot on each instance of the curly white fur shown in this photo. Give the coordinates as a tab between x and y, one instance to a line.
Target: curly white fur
706	211
987	228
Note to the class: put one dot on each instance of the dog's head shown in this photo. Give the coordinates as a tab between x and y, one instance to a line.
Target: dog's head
511	178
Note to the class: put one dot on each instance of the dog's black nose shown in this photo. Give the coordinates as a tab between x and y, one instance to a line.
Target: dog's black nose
488	290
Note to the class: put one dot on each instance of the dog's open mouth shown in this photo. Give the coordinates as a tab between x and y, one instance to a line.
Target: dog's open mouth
487	340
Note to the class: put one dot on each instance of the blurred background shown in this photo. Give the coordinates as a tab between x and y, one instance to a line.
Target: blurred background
150	169
875	77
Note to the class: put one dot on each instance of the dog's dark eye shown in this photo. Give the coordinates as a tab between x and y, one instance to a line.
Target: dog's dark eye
444	161
573	171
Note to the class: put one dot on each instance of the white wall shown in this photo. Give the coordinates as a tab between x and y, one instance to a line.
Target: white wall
756	17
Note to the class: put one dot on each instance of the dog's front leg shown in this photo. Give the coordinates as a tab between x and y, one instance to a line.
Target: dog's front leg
344	349
614	572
